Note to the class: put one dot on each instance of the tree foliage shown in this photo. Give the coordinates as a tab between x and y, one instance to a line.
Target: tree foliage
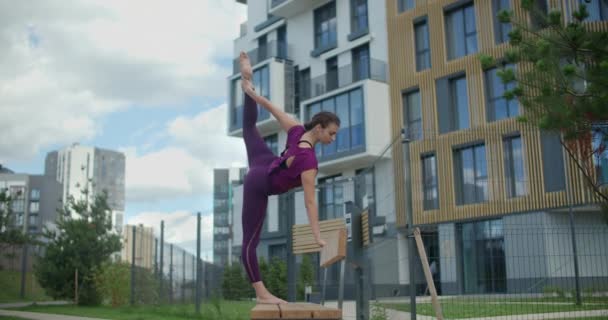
561	80
82	240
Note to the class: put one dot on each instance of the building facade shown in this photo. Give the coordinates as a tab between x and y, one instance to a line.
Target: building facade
224	240
145	246
311	56
492	191
81	168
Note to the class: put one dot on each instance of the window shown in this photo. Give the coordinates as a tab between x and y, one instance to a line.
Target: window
553	162
35	194
325	26
515	176
360	63
497	107
483	264
429	182
471	174
423	48
600	156
331	198
34	207
461	31
538	14
33	219
278	251
331	77
18	206
453	107
261	81
501	30
358	23
304	83
272	142
412	115
365	189
282	42
262	51
597	9
404	5
349	108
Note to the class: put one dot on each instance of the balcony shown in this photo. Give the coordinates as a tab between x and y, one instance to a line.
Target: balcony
290	8
273	79
273	49
364	111
344	76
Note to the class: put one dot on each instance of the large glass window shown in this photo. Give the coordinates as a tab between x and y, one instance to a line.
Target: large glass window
349	108
361	63
331	75
429	182
497	107
412	115
501	30
600	156
423	47
331	198
403	5
461	31
597	9
326	26
272	142
483	257
470	168
359	21
515	176
261	81
453	106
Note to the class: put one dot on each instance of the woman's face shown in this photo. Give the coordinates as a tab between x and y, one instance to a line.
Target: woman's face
327	135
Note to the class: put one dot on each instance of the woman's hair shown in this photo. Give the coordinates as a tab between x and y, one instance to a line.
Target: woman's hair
324	118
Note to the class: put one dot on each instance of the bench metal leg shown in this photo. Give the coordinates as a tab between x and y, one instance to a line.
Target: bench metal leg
341	285
324	286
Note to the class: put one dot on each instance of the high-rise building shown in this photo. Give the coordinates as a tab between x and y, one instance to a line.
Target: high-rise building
224	244
311	56
35	200
145	247
493	188
96	170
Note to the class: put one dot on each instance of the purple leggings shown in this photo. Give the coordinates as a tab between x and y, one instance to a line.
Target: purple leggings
255	189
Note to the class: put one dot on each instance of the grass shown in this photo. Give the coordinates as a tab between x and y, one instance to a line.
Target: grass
229	310
10	318
10	282
471	308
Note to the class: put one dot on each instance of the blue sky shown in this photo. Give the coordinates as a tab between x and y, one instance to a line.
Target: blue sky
147	78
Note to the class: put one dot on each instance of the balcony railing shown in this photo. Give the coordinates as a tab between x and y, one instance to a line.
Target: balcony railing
344	76
276	3
273	49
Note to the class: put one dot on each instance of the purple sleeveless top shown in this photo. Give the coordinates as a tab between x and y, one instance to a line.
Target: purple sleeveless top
283	178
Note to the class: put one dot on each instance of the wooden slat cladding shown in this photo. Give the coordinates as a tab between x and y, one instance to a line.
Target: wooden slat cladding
403	76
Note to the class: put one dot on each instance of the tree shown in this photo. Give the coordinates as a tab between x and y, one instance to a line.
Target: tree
562	83
306	275
81	243
234	284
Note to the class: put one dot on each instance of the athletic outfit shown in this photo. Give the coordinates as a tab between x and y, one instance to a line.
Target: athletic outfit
267	175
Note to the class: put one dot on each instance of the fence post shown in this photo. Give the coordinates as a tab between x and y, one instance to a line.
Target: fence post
198	263
409	230
133	266
162	253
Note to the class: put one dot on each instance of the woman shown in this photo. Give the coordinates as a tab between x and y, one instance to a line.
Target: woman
269	174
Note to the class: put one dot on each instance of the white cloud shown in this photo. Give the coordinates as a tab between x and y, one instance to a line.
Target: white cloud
199	144
64	64
180	229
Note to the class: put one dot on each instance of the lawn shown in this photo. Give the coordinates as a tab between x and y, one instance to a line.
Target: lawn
463	308
229	310
10	318
10	282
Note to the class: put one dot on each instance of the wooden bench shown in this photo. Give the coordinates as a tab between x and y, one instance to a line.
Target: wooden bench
294	311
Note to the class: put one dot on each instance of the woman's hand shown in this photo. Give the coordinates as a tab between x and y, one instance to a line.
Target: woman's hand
320	241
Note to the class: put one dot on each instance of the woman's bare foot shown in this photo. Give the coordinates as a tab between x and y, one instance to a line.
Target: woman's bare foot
269	299
246	71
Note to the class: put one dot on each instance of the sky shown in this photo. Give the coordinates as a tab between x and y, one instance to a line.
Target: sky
145	77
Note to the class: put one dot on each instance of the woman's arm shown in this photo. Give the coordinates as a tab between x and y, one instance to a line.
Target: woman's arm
284	119
308	183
